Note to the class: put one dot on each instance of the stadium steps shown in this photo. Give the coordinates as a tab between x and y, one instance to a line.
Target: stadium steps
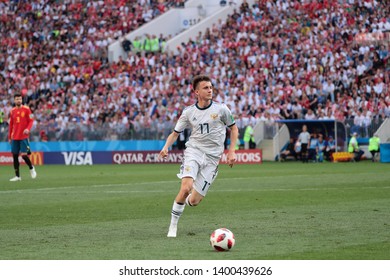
267	148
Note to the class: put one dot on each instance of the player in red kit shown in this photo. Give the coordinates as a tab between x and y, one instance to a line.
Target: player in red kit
20	123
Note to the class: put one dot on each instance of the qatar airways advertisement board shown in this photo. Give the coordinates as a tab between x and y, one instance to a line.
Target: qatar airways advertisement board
128	157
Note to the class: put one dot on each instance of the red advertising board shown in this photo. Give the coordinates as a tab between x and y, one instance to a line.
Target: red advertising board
35	157
252	156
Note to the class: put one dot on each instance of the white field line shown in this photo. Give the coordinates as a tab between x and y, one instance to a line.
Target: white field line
78	189
177	182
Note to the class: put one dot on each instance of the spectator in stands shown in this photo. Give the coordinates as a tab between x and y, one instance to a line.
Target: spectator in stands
286	113
328	90
357	123
43	136
2	116
76	54
310	115
126	44
232	2
269	125
244	8
366	123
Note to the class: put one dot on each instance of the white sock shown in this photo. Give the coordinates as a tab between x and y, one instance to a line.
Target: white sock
177	210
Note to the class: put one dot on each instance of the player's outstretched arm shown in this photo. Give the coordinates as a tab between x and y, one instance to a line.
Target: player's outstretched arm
232	149
170	140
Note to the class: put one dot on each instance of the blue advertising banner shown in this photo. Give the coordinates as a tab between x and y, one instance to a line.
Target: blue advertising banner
78	158
89	146
385	152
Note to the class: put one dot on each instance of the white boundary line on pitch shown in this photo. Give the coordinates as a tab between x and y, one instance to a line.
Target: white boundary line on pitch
213	190
260	189
126	184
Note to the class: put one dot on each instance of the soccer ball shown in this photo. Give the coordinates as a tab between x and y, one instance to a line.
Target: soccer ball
222	239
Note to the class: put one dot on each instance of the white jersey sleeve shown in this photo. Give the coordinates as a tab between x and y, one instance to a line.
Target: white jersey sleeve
227	116
183	123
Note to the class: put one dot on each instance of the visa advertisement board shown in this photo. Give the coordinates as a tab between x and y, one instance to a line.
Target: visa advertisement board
78	158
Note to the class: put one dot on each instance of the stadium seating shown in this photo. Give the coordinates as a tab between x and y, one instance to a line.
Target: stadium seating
295	54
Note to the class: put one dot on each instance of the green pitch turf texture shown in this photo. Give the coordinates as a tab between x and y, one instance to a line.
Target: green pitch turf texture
277	211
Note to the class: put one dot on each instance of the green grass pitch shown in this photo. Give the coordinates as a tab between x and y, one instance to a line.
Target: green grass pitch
277	211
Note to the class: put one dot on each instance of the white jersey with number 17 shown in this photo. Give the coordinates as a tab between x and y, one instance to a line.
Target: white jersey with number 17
208	127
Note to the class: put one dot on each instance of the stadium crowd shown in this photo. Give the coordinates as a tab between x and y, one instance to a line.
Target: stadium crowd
281	59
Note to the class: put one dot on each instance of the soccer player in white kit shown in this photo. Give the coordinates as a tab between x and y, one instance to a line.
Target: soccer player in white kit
208	121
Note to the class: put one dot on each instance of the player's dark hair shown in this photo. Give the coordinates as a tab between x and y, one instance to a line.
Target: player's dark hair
200	78
17	95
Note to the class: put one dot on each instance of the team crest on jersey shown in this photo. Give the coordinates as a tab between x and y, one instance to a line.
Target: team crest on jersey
214	116
187	168
22	114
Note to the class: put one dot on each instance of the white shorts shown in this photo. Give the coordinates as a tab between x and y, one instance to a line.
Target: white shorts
199	167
